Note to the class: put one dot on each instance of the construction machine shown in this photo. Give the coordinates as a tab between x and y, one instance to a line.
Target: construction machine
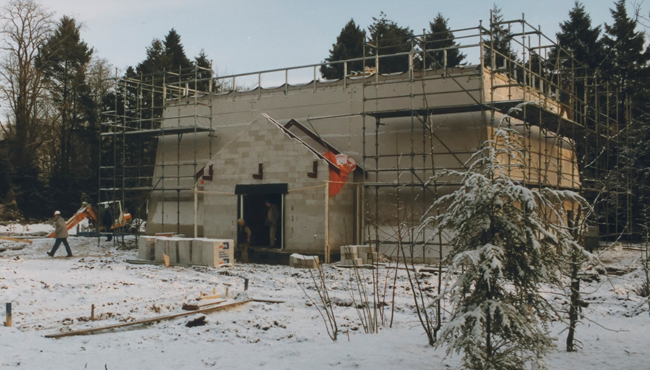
88	212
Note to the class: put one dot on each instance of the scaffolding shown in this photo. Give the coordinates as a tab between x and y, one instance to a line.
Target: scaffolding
559	106
146	117
571	125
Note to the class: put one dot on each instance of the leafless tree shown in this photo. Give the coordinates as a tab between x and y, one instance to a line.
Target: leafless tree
25	26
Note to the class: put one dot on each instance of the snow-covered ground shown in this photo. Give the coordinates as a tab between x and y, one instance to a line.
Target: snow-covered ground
54	295
41	229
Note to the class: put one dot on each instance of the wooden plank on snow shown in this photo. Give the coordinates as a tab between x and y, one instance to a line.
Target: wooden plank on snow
146	321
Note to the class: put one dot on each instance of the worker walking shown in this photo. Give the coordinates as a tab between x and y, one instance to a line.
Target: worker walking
272	217
61	235
108	222
243	239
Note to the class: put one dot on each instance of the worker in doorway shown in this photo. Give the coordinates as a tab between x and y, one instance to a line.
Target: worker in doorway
108	222
243	239
272	221
61	235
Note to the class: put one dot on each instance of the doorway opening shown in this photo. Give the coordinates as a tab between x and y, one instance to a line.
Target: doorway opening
253	209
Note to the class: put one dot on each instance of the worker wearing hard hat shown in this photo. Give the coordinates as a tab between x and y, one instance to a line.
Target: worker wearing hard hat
61	235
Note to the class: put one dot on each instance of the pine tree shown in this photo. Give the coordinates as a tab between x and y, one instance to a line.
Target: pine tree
202	61
500	40
578	37
165	56
579	40
156	61
504	246
63	60
349	45
389	38
626	59
442	37
175	53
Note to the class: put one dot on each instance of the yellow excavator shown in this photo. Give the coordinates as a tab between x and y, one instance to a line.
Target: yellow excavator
88	212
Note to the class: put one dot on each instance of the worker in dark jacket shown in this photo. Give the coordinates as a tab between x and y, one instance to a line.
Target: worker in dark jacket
243	239
61	235
272	216
108	222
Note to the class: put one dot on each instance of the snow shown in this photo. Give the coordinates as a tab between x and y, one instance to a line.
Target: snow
16	229
49	294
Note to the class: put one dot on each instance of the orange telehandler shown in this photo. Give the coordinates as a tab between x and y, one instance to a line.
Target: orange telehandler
88	212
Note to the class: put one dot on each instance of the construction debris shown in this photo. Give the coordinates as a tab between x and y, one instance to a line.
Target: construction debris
357	255
146	321
268	300
15	240
199	321
16	248
301	261
198	306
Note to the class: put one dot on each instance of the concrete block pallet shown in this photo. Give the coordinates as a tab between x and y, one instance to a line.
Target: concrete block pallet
301	261
357	255
186	251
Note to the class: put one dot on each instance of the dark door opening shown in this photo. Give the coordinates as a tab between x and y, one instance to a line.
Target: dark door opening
255	213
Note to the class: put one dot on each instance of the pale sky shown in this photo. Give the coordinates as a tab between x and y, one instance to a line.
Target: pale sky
251	35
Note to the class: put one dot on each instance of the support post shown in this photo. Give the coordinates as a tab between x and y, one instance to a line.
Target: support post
196	210
286	82
327	222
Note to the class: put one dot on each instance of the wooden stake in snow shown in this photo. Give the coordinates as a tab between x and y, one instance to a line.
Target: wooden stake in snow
92	312
8	322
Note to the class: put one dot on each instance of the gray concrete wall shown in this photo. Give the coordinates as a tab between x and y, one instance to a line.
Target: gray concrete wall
285	161
461	133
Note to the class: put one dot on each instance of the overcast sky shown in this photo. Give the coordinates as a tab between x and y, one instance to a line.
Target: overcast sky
250	35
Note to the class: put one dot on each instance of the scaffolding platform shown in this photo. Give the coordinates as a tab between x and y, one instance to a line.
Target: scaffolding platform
163	131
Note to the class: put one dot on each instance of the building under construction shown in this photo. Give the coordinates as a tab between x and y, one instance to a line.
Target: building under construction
195	151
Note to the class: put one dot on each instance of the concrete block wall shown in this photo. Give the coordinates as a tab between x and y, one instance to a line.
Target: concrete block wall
285	160
342	216
232	113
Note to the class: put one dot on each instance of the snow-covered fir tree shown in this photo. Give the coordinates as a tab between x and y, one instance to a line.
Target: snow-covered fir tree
507	239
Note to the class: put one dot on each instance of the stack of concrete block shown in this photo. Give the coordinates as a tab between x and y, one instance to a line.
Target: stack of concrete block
216	252
356	255
165	246
147	248
350	256
197	251
185	251
301	261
